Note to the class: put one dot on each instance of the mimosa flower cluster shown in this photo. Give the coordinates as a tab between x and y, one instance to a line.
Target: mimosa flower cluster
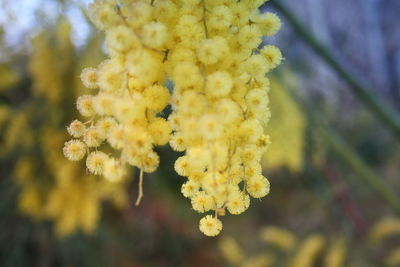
51	187
286	128
211	52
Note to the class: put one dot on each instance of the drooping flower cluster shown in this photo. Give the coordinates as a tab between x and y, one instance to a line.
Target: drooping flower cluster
220	104
129	93
210	51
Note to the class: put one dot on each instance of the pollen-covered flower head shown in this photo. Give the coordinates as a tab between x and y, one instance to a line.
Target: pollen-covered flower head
210	51
121	39
258	186
113	170
269	23
210	127
238	202
94	136
202	202
96	161
155	35
190	188
273	56
85	105
105	125
156	97
89	77
76	129
218	84
74	150
210	226
111	77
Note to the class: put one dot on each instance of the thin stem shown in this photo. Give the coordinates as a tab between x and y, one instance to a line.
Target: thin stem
140	196
386	114
346	153
353	160
203	3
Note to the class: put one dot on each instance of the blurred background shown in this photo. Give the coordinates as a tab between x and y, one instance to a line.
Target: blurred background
333	163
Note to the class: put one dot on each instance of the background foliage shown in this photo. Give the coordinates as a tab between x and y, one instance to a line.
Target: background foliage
333	164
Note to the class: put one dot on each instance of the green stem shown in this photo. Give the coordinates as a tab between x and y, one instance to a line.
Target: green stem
353	160
386	114
344	151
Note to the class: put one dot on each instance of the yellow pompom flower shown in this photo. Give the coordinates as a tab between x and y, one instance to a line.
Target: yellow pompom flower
238	203
95	162
210	226
249	35
93	137
105	125
103	15
121	39
218	84
160	131
74	150
154	35
269	23
113	171
210	126
76	129
220	18
85	105
190	188
89	77
210	51
156	97
104	104
258	186
202	202
273	56
111	76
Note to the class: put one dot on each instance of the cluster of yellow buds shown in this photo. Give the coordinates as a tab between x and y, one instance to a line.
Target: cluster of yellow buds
210	51
129	95
220	105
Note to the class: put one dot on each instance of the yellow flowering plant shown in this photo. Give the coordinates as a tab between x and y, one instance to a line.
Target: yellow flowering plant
212	53
283	247
287	129
50	187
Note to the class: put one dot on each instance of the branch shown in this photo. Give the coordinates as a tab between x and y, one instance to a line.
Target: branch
387	115
346	153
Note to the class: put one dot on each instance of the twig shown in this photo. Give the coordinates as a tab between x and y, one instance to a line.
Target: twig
140	196
386	114
203	3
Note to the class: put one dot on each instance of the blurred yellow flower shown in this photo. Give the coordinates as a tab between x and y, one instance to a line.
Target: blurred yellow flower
286	129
